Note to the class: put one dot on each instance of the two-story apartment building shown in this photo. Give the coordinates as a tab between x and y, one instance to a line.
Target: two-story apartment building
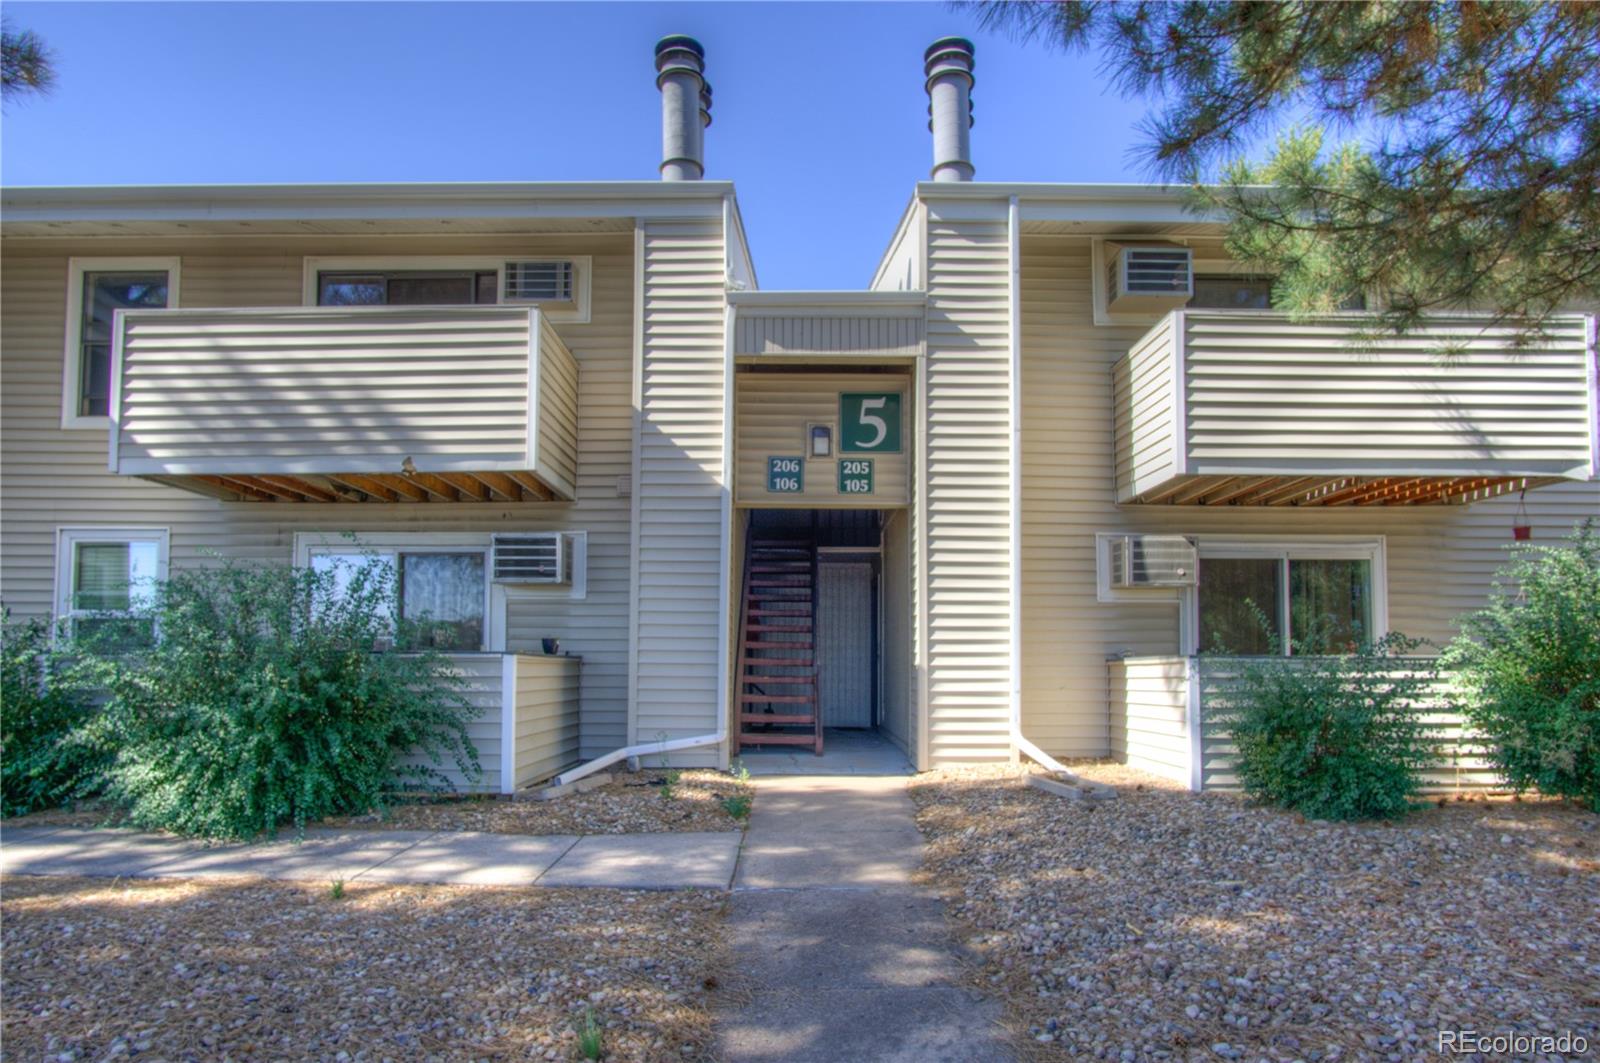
996	503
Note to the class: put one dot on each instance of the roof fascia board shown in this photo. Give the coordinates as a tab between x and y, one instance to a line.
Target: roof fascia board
1065	203
842	301
656	199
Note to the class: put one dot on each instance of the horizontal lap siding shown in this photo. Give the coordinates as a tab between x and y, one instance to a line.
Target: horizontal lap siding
216	392
680	484
1144	385
546	732
825	333
773	411
557	443
968	447
481	679
1441	559
1265	394
1149	708
51	477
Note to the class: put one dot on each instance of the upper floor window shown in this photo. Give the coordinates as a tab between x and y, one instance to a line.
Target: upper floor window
99	288
1232	293
1225	292
559	287
408	288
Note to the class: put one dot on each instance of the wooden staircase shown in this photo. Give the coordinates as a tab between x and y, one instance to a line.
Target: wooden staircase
777	677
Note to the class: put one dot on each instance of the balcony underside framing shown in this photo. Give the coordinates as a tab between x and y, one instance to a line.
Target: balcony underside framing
1329	491
490	487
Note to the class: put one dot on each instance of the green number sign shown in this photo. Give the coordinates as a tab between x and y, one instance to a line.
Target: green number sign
786	476
855	476
869	422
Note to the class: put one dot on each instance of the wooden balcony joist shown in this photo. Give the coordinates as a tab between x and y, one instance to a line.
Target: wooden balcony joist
1305	491
492	487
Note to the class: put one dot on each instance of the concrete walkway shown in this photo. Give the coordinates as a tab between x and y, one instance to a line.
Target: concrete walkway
842	956
625	861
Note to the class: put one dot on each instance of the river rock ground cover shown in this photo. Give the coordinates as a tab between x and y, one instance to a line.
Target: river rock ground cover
1170	925
98	969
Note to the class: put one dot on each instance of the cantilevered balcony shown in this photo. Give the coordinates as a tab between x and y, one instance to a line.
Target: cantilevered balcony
1216	407
371	404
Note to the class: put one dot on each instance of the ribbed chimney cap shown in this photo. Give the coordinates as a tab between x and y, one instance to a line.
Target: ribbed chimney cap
675	41
705	101
950	44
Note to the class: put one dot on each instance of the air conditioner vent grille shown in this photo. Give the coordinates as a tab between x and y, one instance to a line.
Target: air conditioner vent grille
538	282
1153	561
1155	272
531	558
1149	280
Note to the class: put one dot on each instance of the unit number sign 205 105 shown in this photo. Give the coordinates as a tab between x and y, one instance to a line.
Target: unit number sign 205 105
855	476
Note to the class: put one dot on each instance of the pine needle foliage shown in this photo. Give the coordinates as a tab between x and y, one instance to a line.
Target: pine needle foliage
26	63
273	696
1476	179
1529	668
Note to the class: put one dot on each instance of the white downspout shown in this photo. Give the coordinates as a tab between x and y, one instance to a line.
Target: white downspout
720	737
1019	742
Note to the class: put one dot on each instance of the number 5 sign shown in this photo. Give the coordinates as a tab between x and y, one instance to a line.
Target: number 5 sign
869	422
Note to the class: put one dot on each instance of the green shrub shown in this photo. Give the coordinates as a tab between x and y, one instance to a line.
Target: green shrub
1528	667
1333	737
50	752
269	699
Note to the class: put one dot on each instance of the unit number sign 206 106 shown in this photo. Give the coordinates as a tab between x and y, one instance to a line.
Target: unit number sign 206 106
785	476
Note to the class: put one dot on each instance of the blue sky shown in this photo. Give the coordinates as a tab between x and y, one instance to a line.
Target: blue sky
820	115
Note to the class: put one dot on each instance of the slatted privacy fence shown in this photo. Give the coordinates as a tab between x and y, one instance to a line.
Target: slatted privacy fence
1168	717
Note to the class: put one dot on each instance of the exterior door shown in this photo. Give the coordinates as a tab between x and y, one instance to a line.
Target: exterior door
845	634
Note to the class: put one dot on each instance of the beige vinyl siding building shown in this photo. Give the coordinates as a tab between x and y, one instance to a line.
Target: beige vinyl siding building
637	414
57	477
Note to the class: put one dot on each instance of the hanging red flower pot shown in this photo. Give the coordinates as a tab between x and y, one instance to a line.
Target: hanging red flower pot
1521	530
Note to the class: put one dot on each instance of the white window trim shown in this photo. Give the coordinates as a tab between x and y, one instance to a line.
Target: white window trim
496	595
72	368
582	268
1372	548
68	538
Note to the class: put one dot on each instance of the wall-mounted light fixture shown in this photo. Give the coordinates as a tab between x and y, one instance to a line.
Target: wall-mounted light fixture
819	440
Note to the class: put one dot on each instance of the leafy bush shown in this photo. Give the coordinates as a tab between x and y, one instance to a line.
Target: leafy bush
267	699
1333	737
50	752
1529	669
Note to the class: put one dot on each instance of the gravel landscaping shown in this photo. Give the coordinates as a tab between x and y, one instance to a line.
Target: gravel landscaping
632	803
99	970
1165	924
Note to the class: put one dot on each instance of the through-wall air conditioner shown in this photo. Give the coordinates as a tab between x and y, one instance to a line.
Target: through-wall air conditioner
538	282
1148	279
531	557
1153	561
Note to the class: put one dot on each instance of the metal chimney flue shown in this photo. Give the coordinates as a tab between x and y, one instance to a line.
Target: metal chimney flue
948	65
685	107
